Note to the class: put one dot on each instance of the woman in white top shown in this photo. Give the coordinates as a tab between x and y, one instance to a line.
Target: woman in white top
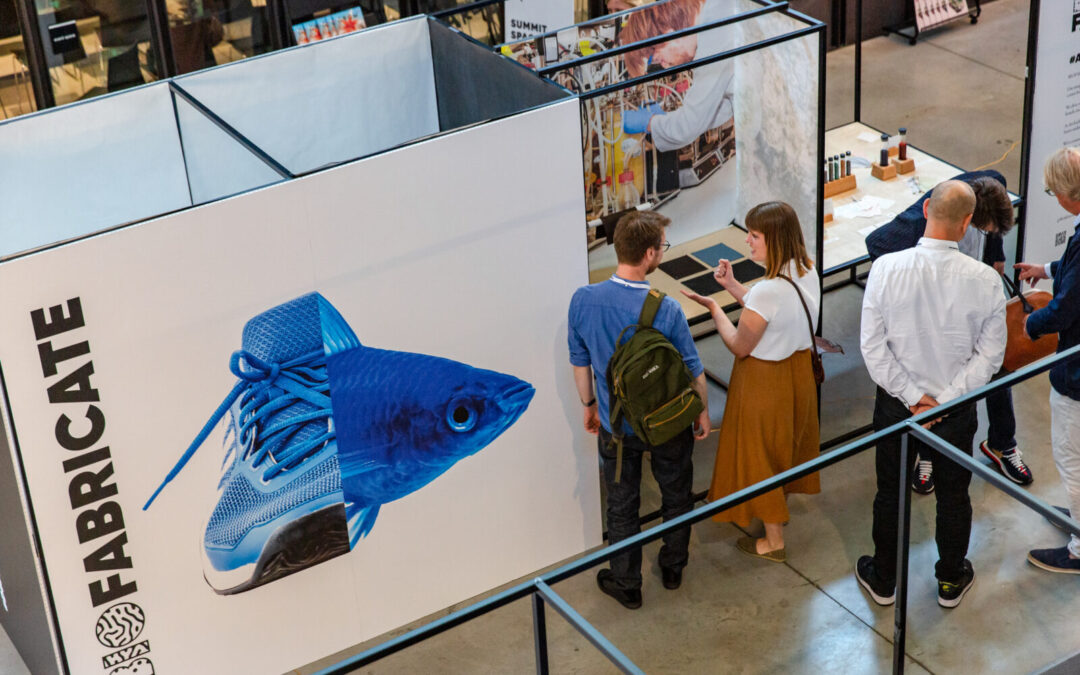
770	420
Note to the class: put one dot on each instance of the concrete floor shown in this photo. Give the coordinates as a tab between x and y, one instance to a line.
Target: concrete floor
960	93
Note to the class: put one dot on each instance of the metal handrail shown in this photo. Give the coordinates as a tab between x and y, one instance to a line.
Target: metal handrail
903	429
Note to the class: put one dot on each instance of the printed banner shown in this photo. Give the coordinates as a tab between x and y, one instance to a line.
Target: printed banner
1055	123
262	431
525	18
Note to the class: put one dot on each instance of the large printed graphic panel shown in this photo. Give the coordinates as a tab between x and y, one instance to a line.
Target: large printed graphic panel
209	371
1055	123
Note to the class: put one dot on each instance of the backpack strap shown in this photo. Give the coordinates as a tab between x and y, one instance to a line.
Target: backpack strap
653	299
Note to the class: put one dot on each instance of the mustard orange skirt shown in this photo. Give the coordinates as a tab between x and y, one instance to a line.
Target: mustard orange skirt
770	425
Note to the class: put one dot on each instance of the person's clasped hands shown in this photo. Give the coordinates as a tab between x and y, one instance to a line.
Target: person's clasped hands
637	121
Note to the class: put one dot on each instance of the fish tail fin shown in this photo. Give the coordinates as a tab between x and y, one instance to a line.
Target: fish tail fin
361	519
336	333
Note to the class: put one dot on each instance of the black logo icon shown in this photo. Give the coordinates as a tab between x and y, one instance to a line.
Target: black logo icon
136	667
120	624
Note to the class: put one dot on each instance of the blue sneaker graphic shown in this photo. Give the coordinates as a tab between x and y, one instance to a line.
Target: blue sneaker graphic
280	507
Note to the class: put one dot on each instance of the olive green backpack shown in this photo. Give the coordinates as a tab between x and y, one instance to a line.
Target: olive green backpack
649	384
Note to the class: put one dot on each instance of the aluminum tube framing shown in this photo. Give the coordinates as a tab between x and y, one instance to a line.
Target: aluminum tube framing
587	629
994	478
660	39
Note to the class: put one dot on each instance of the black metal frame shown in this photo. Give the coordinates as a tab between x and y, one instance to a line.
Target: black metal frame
904	429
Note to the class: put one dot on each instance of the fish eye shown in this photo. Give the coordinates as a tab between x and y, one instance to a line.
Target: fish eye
460	415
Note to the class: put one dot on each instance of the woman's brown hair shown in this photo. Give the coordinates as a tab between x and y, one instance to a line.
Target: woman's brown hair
663	17
778	223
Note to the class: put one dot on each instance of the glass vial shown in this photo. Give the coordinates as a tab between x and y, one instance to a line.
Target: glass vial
903	143
884	150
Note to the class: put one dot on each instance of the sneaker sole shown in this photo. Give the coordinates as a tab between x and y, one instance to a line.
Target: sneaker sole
922	492
949	604
881	600
1050	568
303	543
1001	465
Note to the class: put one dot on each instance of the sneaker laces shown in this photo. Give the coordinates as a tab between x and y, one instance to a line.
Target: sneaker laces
924	469
1014	457
265	389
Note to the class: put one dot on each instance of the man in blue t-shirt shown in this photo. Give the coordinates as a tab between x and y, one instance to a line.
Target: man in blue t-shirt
598	313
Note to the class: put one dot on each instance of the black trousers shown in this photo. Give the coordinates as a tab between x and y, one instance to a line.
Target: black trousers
953	528
673	469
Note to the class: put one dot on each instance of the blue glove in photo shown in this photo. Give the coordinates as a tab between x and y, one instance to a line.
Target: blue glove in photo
637	121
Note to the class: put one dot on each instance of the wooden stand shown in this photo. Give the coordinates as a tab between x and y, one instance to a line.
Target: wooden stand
835	187
883	172
828	218
904	165
894	151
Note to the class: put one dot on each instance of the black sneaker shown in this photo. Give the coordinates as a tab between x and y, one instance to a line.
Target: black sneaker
950	594
1054	560
867	576
922	476
1065	512
1010	463
630	599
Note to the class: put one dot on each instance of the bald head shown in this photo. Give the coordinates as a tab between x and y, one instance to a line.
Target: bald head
949	209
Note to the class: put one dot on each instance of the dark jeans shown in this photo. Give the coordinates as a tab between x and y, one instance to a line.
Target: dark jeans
951	481
674	472
999	410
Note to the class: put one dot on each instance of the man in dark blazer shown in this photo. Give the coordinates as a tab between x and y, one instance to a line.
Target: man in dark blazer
993	218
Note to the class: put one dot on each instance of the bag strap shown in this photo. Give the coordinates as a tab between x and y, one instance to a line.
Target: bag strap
1015	293
650	308
809	321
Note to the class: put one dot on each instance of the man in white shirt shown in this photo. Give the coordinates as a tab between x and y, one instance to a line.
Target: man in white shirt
933	329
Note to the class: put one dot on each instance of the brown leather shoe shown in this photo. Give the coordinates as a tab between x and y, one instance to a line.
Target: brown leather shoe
748	545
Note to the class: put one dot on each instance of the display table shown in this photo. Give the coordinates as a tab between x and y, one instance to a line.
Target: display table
845	237
689	266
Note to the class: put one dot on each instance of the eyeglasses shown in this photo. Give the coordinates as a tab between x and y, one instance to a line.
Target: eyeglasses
665	246
1049	192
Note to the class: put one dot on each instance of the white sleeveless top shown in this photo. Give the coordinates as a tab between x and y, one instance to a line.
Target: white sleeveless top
775	301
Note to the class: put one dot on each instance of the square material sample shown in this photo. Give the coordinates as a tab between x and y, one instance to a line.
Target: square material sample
682	267
711	256
747	270
704	285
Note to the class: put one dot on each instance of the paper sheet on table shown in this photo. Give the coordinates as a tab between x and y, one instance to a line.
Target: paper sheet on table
868	137
867	207
867	230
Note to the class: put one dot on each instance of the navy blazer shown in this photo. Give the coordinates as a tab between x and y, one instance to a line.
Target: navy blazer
1060	316
905	230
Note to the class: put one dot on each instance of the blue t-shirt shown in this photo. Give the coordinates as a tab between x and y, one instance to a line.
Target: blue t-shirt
599	312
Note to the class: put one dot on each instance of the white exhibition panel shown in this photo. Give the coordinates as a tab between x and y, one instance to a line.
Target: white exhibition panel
776	122
68	172
476	266
329	101
217	166
1055	123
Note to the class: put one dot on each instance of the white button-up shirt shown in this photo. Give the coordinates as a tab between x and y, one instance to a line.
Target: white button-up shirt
933	322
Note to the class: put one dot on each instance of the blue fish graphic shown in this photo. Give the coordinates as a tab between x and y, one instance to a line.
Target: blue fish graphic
403	419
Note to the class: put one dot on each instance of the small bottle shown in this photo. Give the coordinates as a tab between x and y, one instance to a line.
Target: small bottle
832	169
884	150
840	160
847	162
903	143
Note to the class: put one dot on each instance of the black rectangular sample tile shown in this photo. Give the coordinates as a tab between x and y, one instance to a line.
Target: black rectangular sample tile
703	285
682	267
747	270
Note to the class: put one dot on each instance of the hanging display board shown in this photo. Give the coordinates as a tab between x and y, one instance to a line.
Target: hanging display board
931	13
525	18
342	427
1054	123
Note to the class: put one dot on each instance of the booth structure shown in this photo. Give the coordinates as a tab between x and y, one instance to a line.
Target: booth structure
345	219
738	123
395	297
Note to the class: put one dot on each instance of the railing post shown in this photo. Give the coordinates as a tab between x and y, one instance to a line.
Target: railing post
903	537
539	634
